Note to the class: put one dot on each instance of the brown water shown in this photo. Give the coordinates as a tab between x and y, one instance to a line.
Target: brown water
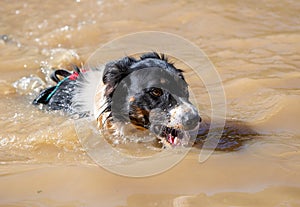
255	48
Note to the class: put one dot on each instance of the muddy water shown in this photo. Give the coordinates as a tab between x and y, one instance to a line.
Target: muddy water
254	45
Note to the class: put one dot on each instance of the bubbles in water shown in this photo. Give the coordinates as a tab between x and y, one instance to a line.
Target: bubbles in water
28	85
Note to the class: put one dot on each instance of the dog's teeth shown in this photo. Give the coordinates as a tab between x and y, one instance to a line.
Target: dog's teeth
176	141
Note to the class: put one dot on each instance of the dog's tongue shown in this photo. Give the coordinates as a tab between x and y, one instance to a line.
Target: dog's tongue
173	140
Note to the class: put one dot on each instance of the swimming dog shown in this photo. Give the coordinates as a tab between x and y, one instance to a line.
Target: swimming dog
148	92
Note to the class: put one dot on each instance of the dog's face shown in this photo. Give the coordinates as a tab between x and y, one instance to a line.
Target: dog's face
151	94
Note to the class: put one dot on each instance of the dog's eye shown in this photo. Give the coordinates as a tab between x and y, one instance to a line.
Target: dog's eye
157	92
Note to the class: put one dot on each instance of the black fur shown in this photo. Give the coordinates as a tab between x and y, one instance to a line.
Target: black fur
114	72
133	89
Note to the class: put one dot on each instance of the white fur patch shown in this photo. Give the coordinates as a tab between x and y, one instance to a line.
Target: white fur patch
179	112
89	93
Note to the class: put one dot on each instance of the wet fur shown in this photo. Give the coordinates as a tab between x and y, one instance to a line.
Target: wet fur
135	83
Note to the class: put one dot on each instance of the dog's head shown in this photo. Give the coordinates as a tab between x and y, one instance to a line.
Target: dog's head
151	94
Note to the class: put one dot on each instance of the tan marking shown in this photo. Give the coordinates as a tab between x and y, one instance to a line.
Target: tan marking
162	80
99	122
140	113
103	122
131	99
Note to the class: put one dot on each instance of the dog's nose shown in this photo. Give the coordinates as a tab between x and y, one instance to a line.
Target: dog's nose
191	121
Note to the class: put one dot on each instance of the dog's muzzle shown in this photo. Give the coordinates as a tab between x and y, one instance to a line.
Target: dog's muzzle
185	116
174	127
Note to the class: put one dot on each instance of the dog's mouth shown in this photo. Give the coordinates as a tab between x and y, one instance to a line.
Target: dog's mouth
170	135
173	136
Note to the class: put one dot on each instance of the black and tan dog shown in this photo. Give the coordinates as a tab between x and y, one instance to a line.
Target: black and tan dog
150	93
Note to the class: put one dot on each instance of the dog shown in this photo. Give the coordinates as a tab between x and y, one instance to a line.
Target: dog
148	92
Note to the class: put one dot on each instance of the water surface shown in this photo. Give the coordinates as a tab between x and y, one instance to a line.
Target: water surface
254	45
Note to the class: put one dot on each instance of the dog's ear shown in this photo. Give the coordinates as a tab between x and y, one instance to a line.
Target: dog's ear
114	72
